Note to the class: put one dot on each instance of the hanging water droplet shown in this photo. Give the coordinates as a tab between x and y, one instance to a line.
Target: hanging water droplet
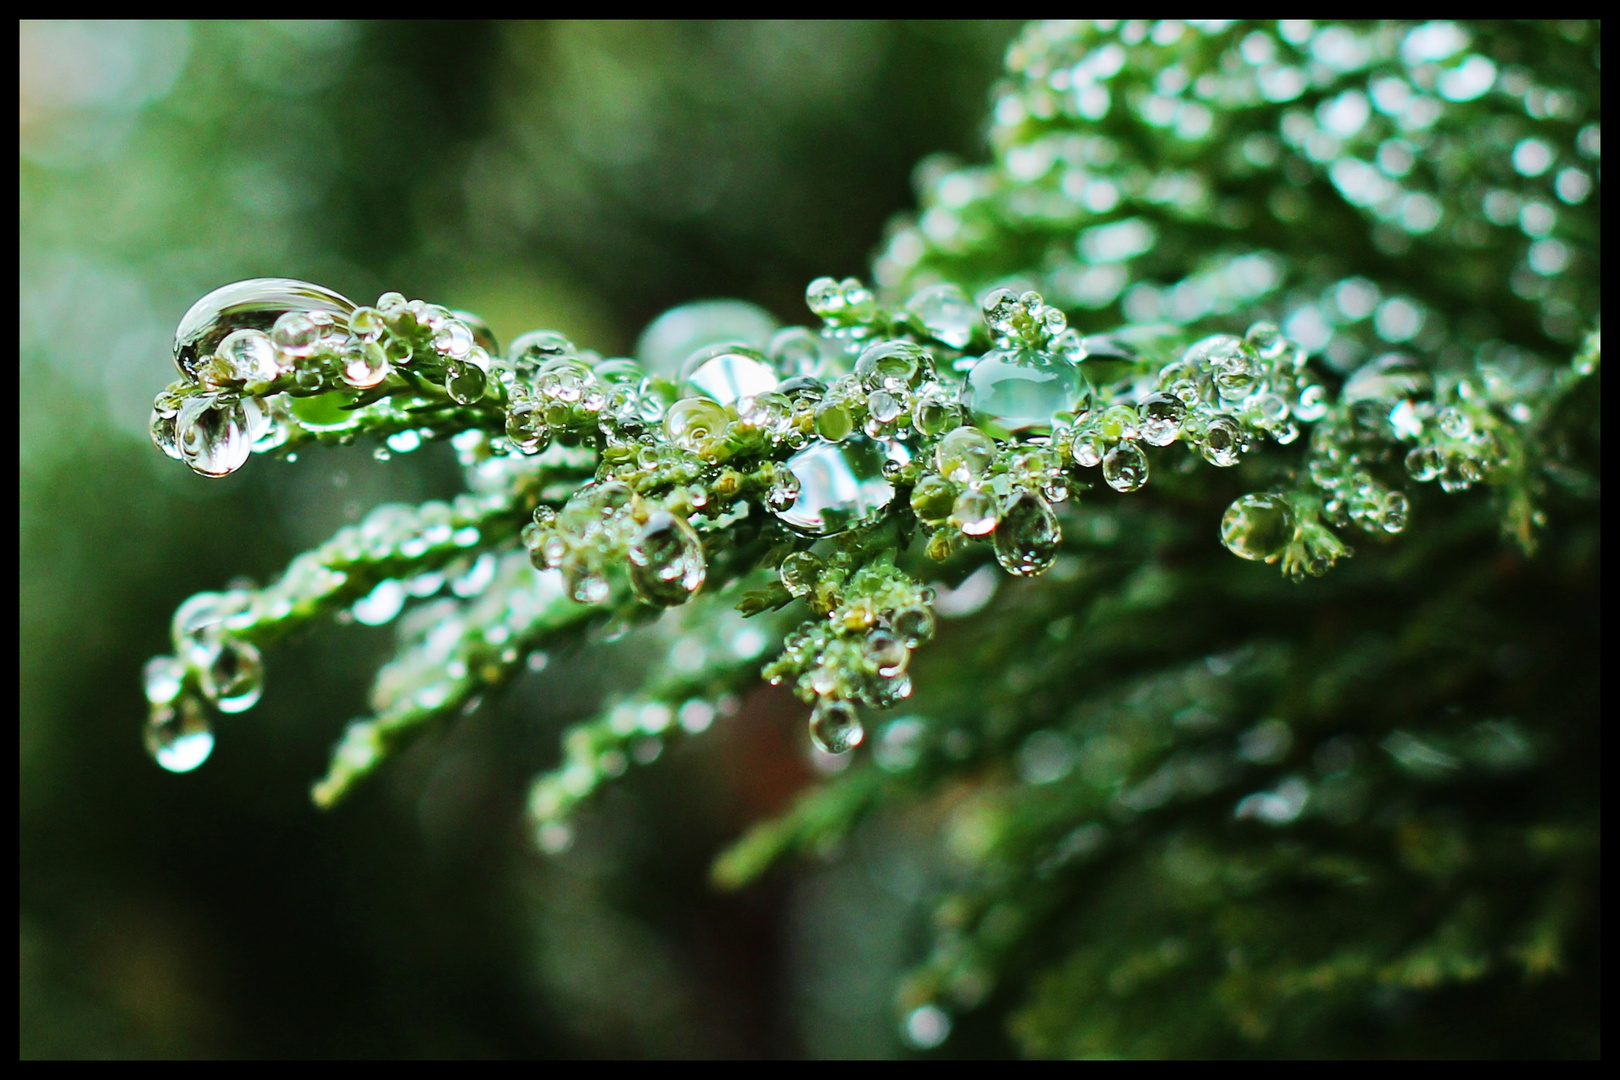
585	582
1087	451
381	604
1223	442
212	434
464	381
974	512
835	725
1258	527
1423	463
163	678
1395	512
1125	467
255	304
946	313
726	373
165	411
1028	536
1021	390
885	653
666	561
526	426
695	423
1161	417
799	572
932	499
914	624
366	366
178	736
234	680
841	485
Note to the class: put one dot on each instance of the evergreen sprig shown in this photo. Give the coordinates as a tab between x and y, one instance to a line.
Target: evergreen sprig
1287	272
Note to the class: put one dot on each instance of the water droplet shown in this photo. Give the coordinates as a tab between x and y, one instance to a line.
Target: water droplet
975	512
366	366
932	499
1395	512
964	454
526	426
234	679
212	434
946	313
1223	442
934	412
585	582
1087	451
1125	467
890	365
162	679
695	423
666	561
1021	390
1267	340
927	1026
164	435
678	333
1258	527
1391	378
835	725
178	736
1161	417
464	381
1028	536
914	624
841	485
728	372
244	356
1455	424
381	604
1423	463
799	572
256	305
834	421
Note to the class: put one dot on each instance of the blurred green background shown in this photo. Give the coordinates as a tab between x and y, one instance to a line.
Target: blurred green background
576	176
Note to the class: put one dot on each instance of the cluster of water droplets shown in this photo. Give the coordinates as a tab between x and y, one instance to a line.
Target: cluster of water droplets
265	358
607	525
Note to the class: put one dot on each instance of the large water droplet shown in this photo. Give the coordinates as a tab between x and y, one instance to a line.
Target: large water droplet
1392	377
212	434
255	304
841	485
1258	527
728	372
678	333
178	736
1019	390
163	678
666	561
835	725
1028	536
964	454
946	313
1125	467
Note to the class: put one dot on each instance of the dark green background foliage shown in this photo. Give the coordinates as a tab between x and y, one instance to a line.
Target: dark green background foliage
1052	855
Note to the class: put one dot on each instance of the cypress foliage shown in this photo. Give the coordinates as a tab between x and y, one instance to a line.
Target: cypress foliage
1320	296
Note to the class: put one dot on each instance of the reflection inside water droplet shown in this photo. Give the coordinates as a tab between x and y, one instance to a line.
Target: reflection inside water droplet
841	485
255	304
